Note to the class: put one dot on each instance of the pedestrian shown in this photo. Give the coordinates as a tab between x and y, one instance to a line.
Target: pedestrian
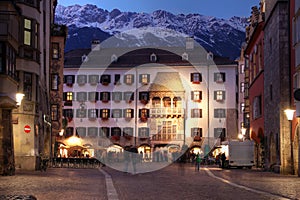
198	161
223	158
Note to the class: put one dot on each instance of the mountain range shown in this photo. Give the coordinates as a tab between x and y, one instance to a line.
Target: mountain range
223	37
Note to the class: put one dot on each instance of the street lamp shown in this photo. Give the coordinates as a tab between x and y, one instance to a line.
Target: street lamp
290	115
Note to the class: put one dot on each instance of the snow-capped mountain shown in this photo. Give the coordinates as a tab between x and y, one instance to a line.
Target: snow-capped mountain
221	36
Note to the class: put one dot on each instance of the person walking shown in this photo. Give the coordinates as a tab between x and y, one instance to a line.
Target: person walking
223	158
198	161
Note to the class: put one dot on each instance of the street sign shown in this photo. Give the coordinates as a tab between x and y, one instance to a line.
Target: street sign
27	129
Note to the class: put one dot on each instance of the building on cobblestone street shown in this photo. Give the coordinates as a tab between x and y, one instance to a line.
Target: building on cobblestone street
156	99
254	53
25	64
277	96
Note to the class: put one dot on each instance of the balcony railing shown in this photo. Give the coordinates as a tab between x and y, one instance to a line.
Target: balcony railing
166	112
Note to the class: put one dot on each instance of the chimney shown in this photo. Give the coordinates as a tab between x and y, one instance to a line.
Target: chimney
95	45
189	43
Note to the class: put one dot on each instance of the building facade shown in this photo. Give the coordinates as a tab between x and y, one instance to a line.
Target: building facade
157	99
254	52
25	46
277	93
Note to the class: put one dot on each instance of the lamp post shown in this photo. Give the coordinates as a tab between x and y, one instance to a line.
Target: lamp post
290	115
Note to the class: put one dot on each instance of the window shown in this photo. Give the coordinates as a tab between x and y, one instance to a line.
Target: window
114	58
93	79
196	78
220	133
105	79
242	89
81	79
54	112
128	96
92	131
55	50
144	132
129	79
185	56
219	95
81	131
81	96
242	68
68	96
116	113
54	81
128	113
144	97
28	86
28	32
93	96
144	79
117	79
196	132
104	113
93	113
196	96
81	113
153	57
219	77
117	96
68	113
105	96
196	113
104	132
219	113
128	131
115	131
69	80
242	107
143	113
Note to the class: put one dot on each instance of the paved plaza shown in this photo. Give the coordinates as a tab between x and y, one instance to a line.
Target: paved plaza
176	181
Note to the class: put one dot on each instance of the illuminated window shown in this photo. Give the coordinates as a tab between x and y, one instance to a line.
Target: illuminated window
143	113
104	113
27	32
69	96
129	79
144	79
55	50
128	113
196	96
219	95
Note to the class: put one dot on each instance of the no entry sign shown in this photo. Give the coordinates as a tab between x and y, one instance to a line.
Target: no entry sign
27	129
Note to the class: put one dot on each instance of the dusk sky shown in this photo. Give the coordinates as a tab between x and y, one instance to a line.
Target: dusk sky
217	8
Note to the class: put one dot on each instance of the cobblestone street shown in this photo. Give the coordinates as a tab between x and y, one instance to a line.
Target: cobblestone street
172	182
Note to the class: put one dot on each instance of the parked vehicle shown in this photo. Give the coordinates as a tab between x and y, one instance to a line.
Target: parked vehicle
238	153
